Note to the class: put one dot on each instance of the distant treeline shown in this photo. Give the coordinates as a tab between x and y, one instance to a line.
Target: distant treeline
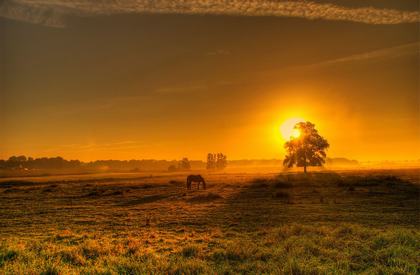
58	163
340	161
23	162
279	162
29	163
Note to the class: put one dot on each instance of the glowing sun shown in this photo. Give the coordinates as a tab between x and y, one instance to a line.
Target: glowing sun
287	129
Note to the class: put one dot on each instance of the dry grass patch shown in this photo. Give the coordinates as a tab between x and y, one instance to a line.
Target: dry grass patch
204	198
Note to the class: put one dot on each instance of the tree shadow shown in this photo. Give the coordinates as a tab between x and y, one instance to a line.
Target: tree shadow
319	198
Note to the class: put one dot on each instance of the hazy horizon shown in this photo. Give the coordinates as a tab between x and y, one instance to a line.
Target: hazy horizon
229	159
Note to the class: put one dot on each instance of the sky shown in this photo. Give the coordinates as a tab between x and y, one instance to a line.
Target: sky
168	79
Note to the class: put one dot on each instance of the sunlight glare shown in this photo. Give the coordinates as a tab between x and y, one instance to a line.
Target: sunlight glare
287	128
295	133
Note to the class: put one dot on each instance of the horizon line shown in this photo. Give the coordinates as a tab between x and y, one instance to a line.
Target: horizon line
229	160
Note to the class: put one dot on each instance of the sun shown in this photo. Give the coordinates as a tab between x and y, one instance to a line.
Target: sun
287	129
295	133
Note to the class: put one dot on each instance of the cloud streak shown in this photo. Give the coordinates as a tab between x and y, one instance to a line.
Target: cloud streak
387	53
57	13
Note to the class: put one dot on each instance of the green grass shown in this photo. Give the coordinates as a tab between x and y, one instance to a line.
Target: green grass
323	223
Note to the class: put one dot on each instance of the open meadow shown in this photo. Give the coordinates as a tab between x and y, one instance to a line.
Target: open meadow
324	222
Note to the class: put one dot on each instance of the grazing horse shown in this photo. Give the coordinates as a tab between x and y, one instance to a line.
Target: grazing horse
195	178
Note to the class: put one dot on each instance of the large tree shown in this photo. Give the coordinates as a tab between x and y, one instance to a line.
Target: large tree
308	149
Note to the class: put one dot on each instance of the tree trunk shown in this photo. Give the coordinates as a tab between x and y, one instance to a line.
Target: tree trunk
304	168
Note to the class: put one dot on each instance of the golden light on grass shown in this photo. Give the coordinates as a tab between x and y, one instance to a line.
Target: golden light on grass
287	129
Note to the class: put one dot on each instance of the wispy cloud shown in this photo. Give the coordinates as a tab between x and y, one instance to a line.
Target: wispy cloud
404	50
56	13
386	53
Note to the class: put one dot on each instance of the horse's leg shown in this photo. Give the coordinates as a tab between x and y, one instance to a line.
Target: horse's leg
204	185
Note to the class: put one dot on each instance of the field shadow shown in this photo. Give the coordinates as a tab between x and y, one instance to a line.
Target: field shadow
231	202
204	198
320	198
143	200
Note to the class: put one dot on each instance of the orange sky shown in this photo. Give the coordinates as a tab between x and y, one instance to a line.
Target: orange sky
168	86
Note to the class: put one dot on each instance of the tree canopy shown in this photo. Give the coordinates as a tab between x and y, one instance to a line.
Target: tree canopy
308	149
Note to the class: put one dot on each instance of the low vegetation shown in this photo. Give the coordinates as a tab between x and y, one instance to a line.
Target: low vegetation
352	222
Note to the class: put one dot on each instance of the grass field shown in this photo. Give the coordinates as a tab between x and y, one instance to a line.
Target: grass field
324	222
